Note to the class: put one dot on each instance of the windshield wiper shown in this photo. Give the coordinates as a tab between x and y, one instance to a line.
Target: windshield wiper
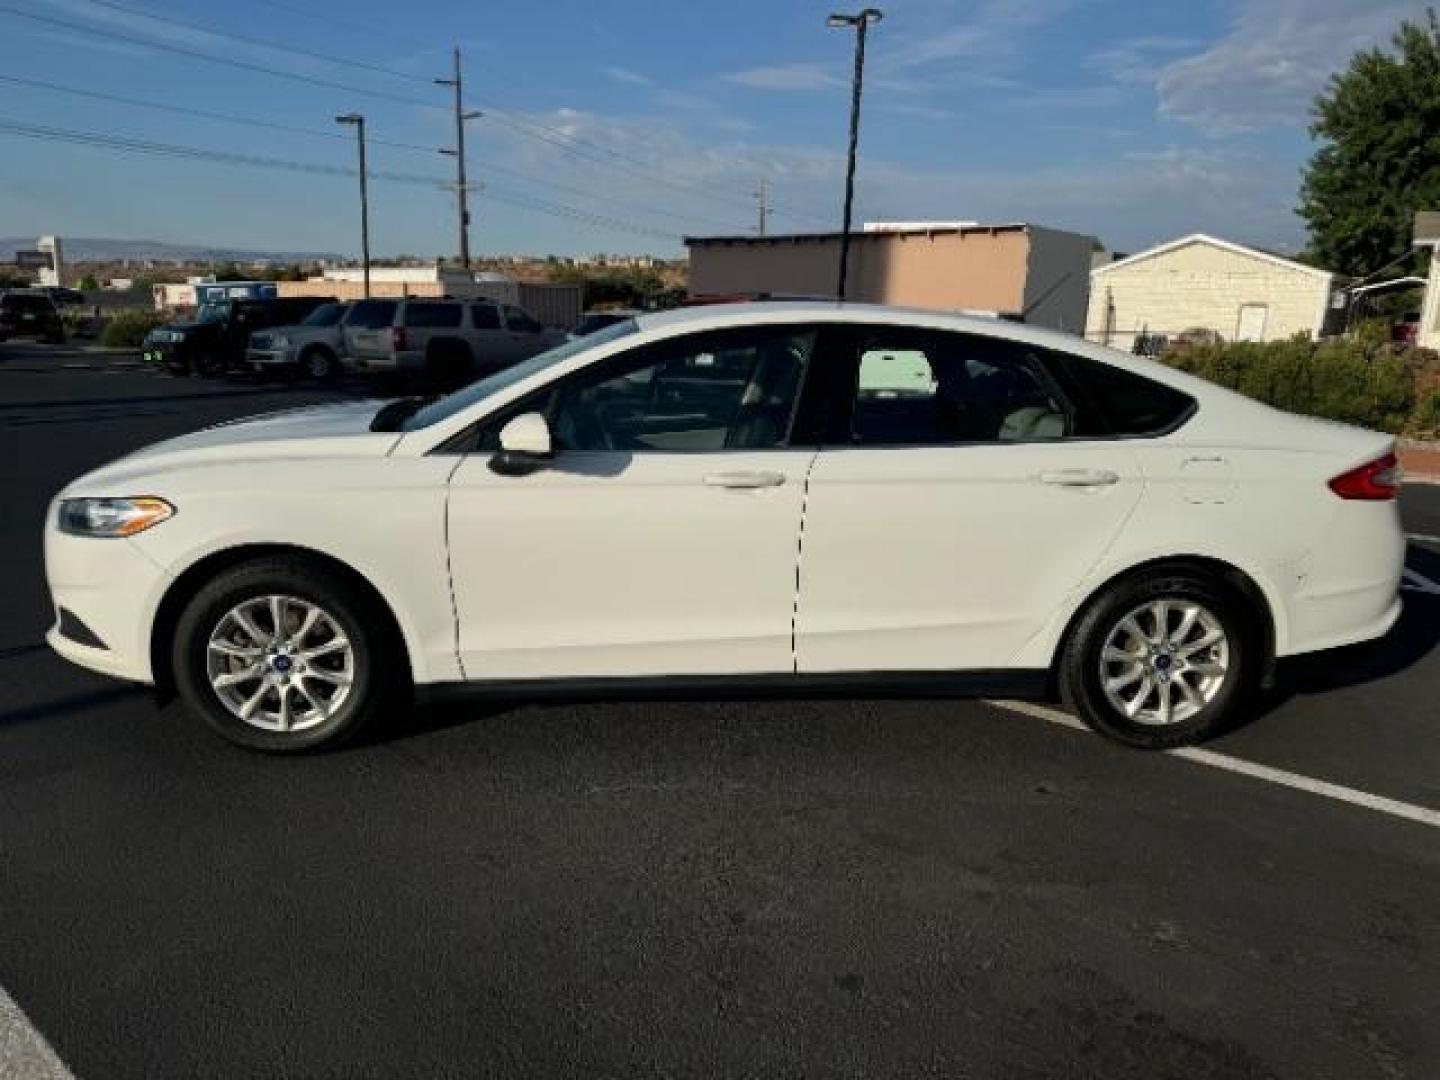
394	413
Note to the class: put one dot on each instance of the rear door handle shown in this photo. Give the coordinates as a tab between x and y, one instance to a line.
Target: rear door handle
757	479
1080	477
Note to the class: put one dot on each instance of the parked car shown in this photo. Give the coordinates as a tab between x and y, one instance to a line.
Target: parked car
311	347
599	320
753	495
30	313
448	341
215	339
62	296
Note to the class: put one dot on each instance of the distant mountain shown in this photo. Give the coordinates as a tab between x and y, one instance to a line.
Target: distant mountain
101	250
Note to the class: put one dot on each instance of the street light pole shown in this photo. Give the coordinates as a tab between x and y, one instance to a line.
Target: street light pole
358	122
462	189
860	22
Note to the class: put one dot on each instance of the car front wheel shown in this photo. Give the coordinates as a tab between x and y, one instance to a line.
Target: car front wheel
320	364
1162	661
284	655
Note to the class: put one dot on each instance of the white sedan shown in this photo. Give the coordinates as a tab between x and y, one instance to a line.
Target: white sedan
797	496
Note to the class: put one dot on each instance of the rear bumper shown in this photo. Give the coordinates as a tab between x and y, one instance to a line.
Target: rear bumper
1349	587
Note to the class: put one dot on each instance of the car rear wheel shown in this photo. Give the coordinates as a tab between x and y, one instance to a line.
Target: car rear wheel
1162	660
284	655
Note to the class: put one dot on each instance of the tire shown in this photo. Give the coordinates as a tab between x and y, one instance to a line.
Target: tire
298	692
1209	685
209	365
319	363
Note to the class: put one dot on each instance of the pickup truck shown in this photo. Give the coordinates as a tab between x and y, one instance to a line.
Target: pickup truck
216	339
449	342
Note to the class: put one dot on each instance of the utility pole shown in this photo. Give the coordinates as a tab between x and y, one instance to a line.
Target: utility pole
761	208
462	189
357	121
860	23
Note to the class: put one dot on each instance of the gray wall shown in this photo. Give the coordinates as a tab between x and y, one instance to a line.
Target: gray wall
1057	279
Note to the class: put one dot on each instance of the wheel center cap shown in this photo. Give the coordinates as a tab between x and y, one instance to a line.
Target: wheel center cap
282	664
1162	662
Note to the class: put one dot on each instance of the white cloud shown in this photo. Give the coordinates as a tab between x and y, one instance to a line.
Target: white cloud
802	77
955	33
1138	60
1275	58
625	75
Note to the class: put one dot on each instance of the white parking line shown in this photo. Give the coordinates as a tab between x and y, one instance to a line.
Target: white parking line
1422	815
1421	538
24	1053
1418	583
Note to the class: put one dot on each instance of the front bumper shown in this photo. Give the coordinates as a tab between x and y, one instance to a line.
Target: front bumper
263	359
110	587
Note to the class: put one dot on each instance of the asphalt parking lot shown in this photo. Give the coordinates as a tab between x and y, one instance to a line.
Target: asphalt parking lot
737	888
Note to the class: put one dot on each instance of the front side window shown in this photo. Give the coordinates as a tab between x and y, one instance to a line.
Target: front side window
485	316
324	315
703	393
432	315
372	314
929	388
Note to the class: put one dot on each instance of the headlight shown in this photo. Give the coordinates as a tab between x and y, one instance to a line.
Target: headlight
112	517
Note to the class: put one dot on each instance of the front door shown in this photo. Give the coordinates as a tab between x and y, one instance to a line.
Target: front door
953	511
662	539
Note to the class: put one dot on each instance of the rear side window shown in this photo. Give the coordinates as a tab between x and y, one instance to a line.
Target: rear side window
1129	404
932	388
432	315
372	314
485	316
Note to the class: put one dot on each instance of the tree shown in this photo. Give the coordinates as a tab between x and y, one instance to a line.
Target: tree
1379	162
88	283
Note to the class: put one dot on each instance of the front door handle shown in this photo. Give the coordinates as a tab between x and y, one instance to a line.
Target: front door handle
1080	477
760	478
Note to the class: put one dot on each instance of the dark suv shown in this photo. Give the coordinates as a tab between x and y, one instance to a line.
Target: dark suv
215	340
30	314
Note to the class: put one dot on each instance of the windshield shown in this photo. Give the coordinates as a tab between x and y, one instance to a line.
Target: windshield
215	312
324	315
448	406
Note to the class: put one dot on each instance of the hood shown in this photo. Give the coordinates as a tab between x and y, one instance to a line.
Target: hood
340	430
187	327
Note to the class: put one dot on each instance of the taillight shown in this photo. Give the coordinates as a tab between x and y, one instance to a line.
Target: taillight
397	337
1380	479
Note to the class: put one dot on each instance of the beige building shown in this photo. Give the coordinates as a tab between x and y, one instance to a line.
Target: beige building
1020	271
1202	283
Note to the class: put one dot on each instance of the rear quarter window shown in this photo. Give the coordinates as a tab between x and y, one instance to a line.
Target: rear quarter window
372	314
432	315
1127	404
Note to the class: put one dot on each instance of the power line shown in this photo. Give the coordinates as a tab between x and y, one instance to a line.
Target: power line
576	145
146	147
171	20
231	118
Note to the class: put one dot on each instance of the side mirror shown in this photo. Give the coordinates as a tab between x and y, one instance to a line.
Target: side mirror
525	446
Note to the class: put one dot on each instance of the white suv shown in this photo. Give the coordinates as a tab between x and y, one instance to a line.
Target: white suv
450	341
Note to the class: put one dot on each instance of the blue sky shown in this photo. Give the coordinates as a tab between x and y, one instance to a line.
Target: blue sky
1134	120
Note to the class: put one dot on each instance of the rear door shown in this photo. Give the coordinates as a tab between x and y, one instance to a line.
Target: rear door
960	498
425	320
490	340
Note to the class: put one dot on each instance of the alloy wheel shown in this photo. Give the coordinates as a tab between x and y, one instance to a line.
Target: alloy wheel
280	663
1164	661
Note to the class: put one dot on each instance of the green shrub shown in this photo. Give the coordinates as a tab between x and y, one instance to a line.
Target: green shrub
1359	380
128	329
